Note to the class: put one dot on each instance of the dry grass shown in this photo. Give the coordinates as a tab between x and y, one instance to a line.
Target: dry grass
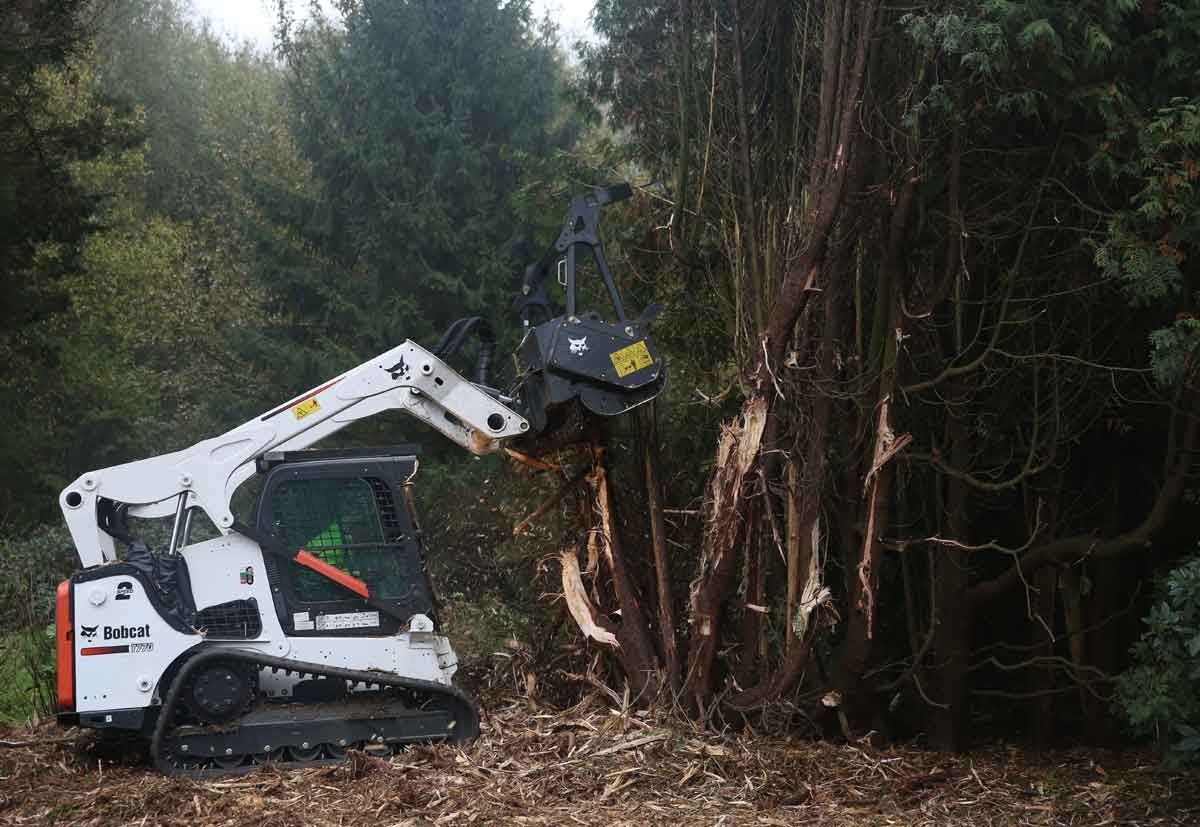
590	765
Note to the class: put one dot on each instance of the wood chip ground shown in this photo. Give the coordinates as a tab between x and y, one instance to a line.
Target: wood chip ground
593	766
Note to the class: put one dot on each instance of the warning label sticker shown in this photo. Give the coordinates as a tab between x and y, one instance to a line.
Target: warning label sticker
349	620
302	622
305	408
631	358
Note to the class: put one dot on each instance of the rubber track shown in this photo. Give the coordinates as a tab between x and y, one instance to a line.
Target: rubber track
465	715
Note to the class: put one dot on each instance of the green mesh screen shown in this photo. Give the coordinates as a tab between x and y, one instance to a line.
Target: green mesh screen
350	523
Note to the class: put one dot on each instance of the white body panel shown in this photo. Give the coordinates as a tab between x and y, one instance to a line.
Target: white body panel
215	567
107	680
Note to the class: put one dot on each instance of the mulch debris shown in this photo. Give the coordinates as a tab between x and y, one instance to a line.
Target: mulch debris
594	765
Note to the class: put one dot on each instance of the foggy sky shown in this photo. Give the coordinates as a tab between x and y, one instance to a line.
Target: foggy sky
253	20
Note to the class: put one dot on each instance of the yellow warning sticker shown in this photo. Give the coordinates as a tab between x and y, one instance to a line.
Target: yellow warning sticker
632	358
305	408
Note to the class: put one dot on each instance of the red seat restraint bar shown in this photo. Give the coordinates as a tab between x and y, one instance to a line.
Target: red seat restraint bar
333	573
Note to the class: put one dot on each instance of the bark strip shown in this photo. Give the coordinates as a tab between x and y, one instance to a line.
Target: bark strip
580	605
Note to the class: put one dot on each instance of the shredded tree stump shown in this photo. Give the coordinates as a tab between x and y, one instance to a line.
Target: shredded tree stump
590	765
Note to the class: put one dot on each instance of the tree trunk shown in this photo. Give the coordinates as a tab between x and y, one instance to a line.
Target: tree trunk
863	568
682	170
738	451
752	581
637	654
1103	654
1042	683
952	635
736	455
795	542
658	541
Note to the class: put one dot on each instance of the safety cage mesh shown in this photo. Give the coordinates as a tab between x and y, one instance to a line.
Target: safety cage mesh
233	620
350	523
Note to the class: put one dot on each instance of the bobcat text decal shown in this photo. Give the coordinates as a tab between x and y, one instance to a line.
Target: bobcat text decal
118	633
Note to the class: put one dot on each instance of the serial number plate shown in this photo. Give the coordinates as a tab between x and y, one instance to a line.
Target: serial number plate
349	620
631	358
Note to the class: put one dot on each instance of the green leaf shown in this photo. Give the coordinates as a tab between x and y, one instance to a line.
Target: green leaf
1039	32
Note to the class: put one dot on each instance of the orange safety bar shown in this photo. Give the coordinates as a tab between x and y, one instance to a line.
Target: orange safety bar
64	634
335	574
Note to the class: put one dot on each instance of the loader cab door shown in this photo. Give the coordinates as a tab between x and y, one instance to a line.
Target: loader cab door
356	515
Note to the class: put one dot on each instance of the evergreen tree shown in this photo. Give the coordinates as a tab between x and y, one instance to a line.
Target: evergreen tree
48	125
415	115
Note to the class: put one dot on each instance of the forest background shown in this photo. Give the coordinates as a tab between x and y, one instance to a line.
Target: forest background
927	449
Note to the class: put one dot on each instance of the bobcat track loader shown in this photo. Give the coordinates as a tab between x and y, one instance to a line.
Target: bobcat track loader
306	626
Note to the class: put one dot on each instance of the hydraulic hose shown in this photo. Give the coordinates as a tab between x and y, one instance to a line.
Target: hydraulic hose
458	332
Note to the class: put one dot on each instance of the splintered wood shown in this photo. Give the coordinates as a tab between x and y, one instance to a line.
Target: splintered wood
736	453
579	604
591	765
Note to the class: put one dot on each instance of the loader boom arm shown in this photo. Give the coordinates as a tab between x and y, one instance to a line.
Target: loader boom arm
575	360
406	378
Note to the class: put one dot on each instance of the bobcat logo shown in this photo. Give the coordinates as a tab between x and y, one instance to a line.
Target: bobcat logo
89	632
578	346
397	370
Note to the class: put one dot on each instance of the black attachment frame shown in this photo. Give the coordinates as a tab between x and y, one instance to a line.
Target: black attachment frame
580	229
